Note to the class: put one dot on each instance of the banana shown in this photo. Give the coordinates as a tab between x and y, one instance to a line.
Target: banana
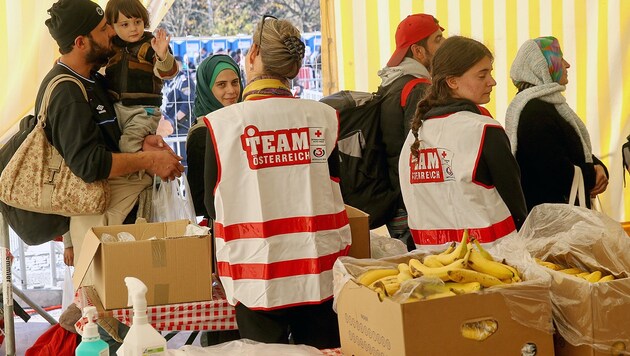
458	252
607	278
390	287
549	265
463	288
467	276
482	250
594	277
479	330
493	268
449	249
404	273
384	281
432	261
582	275
418	269
440	295
370	276
517	277
573	270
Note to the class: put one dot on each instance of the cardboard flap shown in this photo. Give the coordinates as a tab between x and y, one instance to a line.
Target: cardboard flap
90	246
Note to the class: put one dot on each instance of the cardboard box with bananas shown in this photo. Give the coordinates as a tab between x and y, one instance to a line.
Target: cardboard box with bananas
586	254
443	300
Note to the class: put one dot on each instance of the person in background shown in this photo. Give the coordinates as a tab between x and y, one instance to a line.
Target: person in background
547	137
272	188
179	100
218	86
460	173
418	36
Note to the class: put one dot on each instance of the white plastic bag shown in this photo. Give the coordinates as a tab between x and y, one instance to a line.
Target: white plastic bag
172	201
67	296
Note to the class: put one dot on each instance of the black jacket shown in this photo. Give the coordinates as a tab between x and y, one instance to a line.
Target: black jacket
395	125
548	148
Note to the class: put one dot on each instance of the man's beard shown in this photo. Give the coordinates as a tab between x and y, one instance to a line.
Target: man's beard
98	55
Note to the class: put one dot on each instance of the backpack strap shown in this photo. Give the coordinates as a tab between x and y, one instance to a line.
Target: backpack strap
409	87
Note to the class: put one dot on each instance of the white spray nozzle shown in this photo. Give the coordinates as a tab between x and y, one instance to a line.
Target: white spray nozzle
136	293
90	330
90	313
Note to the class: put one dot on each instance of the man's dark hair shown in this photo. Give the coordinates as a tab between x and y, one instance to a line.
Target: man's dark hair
423	43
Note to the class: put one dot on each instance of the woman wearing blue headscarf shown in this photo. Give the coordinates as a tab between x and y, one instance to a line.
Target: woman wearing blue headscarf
218	85
546	135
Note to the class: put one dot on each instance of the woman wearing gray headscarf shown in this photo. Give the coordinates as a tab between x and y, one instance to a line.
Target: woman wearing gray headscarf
547	137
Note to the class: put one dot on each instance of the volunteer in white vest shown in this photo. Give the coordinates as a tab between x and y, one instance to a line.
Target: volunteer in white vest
272	189
460	173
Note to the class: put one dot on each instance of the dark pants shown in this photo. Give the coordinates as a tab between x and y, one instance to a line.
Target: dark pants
313	325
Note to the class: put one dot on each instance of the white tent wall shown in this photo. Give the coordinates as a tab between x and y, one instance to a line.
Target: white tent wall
358	38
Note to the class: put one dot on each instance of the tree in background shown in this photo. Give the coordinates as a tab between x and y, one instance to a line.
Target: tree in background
189	17
232	17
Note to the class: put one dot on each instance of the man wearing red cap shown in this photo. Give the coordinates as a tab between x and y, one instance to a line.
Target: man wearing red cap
418	36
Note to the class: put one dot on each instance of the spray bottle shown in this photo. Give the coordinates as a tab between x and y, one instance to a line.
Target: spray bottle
142	339
91	343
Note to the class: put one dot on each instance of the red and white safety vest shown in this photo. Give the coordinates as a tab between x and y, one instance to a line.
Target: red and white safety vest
440	195
280	218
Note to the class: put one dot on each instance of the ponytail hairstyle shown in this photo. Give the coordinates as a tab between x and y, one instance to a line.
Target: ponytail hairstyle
280	46
455	57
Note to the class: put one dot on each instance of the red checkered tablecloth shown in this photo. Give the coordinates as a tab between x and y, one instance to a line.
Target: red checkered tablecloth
215	314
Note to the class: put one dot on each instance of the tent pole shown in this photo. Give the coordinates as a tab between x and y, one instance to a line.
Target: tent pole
7	288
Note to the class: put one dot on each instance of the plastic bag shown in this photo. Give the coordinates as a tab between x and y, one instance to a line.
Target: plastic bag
584	313
246	347
172	201
68	290
384	246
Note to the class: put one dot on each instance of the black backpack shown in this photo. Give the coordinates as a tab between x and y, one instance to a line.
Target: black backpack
363	171
32	228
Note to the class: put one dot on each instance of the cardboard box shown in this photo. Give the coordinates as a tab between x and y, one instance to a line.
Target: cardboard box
368	326
597	311
360	229
562	347
175	269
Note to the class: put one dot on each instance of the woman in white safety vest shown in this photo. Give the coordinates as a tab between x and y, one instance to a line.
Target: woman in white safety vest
460	173
272	189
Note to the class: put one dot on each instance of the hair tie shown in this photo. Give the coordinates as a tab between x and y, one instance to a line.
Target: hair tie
295	46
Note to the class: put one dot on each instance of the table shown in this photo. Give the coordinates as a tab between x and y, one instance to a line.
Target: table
215	314
210	315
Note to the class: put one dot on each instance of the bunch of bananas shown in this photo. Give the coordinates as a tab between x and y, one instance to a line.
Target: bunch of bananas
463	268
591	277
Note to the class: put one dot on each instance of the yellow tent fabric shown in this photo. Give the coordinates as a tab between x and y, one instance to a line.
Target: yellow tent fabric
594	35
27	53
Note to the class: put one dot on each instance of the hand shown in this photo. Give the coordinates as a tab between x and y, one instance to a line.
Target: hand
155	143
165	164
68	256
159	42
601	181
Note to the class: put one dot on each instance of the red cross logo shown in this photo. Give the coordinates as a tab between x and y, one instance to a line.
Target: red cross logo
318	133
443	154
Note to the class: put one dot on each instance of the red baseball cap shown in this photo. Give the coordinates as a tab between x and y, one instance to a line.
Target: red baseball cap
412	29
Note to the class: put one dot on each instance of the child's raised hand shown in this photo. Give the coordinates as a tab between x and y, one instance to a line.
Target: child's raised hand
160	42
